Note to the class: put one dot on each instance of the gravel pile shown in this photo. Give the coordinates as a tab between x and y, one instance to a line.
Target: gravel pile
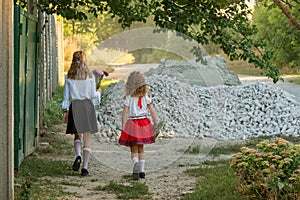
221	112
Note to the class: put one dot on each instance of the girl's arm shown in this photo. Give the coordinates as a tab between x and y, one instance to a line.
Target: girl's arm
124	116
152	113
66	102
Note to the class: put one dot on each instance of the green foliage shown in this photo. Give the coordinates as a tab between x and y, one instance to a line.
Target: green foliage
225	150
89	33
52	112
217	183
106	82
282	39
224	23
270	172
87	42
135	191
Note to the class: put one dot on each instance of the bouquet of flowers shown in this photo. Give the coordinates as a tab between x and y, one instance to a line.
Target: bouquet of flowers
159	127
99	76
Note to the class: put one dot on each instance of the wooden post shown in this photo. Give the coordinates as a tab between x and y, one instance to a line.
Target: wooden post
60	51
6	101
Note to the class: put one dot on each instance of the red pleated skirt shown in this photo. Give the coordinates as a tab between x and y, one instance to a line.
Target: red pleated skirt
137	132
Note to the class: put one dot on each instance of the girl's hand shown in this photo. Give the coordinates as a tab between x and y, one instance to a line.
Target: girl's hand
99	90
65	117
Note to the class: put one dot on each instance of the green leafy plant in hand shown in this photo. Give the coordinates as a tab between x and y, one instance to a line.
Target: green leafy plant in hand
160	126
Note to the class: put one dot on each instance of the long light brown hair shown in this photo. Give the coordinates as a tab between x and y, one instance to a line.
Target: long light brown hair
79	69
136	85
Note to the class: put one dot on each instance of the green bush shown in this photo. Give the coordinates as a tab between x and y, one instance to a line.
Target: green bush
52	111
271	171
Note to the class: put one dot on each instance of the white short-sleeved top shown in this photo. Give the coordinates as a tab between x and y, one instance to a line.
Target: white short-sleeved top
137	105
80	89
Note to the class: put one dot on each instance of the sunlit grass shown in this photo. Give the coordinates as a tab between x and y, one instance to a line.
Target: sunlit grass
217	183
243	68
136	190
295	80
106	82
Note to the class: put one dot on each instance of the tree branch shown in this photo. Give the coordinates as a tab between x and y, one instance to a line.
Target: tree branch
287	3
287	13
297	1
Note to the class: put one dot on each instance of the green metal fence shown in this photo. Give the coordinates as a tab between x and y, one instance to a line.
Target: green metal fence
25	84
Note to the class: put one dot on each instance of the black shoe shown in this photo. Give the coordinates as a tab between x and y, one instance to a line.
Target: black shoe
142	174
135	173
76	164
84	172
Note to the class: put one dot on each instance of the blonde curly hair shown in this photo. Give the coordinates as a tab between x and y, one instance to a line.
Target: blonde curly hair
136	85
79	69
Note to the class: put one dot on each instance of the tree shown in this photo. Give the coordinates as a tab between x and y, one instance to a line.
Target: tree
222	22
282	38
287	7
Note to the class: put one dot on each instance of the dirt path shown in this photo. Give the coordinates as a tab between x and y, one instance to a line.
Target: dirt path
166	164
165	169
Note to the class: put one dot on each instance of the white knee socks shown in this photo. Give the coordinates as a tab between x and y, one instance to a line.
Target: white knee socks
86	157
142	165
77	147
135	160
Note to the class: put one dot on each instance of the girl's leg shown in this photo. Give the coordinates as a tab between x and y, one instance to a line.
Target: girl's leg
86	153
134	156
141	160
77	147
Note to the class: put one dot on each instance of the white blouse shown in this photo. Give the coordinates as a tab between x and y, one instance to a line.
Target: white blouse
136	109
80	89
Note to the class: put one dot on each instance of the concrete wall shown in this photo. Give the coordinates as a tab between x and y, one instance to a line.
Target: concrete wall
6	100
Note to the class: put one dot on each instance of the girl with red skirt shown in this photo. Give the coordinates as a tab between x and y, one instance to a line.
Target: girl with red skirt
137	128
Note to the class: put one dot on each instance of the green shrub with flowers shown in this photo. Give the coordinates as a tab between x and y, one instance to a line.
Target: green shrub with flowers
270	172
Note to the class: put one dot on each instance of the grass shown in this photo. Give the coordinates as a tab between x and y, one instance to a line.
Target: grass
229	149
243	68
295	80
217	183
106	82
43	189
30	181
215	162
43	167
135	190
